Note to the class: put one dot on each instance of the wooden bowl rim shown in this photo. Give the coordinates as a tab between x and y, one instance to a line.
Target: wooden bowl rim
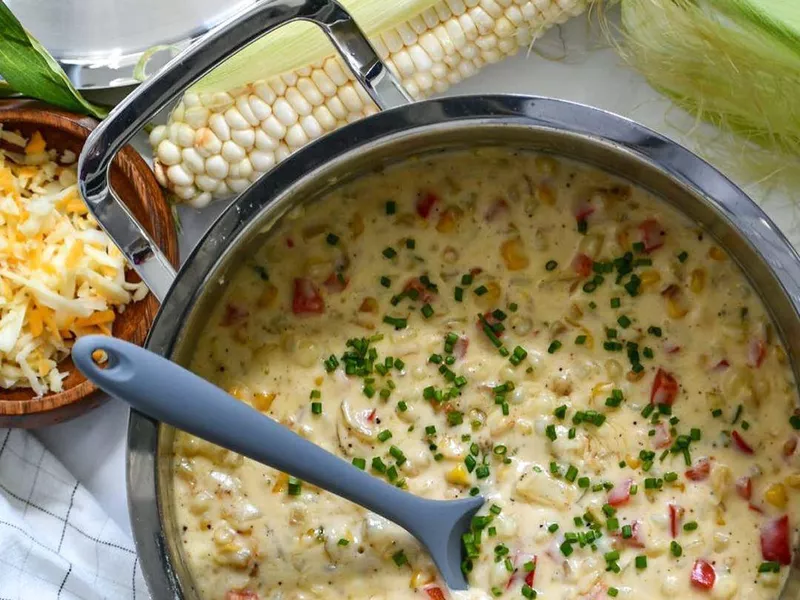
25	112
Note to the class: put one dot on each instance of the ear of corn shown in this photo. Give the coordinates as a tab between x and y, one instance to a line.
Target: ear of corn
229	130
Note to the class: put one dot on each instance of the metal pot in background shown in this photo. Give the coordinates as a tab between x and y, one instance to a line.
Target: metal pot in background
403	129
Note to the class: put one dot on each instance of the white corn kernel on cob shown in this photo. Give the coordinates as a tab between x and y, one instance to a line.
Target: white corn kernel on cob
217	143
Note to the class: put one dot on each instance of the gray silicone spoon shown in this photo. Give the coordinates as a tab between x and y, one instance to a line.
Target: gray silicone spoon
167	392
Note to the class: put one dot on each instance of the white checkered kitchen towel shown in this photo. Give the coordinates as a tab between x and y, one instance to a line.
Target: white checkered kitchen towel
55	540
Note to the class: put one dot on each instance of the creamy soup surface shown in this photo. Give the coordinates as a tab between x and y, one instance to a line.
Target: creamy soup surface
508	324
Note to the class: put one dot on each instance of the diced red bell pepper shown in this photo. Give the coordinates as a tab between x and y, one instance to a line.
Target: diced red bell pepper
703	575
423	294
621	493
336	282
739	442
498	209
582	264
662	438
700	471
434	592
775	544
675	517
582	210
234	314
491	321
652	234
665	388
241	595
756	352
744	487
460	347
722	365
637	536
789	447
306	298
425	203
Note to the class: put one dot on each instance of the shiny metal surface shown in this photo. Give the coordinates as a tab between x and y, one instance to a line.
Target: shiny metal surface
570	130
99	42
137	109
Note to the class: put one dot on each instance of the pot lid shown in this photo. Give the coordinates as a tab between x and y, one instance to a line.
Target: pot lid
99	42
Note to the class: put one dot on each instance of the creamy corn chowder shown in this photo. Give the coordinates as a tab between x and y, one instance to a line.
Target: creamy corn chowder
505	324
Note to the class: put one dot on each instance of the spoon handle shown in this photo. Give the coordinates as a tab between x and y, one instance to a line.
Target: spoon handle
167	392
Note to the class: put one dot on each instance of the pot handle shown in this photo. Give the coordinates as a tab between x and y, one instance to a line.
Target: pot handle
197	60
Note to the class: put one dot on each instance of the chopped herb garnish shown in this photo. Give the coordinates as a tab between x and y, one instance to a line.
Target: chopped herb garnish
683	256
360	463
653	330
624	322
690	526
641	561
332	239
580	340
399	558
554	346
295	486
396	322
316	408
385	281
427	311
675	548
389	252
458	294
769	567
391	207
411	244
481	290
455	417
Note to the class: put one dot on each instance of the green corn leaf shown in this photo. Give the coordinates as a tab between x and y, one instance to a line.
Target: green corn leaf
30	70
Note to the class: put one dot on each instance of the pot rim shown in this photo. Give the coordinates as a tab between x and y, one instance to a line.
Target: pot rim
536	113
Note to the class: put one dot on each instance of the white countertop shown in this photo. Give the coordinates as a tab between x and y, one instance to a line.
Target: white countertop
92	447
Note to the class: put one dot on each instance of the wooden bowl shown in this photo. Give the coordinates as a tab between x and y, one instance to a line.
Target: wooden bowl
137	187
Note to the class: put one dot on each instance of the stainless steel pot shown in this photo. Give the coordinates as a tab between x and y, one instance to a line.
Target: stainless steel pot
403	129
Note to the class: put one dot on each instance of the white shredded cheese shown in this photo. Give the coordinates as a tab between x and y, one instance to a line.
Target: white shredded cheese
60	275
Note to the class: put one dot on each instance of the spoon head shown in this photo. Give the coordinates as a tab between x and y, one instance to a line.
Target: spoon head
441	525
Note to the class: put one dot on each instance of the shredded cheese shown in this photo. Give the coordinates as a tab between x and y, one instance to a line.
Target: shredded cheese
60	275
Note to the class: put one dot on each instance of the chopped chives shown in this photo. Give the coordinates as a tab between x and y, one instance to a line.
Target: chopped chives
391	207
627	531
612	591
343	542
399	558
675	548
455	418
316	408
360	463
385	281
411	244
584	482
466	279
653	330
716	412
550	432
769	567
427	311
561	411
458	294
389	252
295	486
572	473
402	406
690	526
397	322
378	465
550	265
624	322
332	239
580	340
641	561
554	346
683	256
615	303
481	290
384	435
